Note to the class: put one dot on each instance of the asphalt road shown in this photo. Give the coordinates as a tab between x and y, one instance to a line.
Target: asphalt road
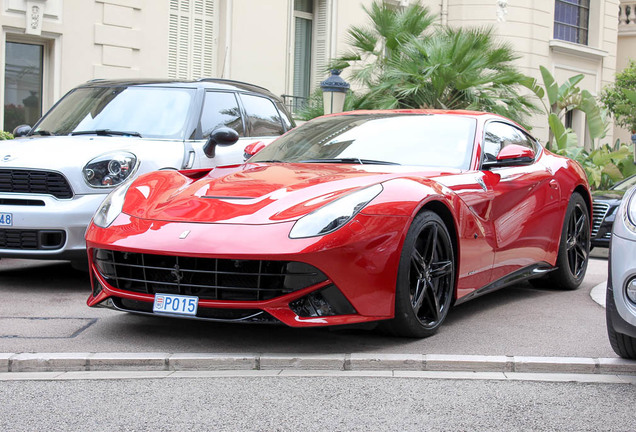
315	403
42	309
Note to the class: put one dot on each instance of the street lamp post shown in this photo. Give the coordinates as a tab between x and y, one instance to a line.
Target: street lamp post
334	91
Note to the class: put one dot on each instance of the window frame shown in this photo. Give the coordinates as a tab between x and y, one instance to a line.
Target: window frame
536	146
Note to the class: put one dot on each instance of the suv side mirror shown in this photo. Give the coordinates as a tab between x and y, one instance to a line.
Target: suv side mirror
221	136
21	130
512	155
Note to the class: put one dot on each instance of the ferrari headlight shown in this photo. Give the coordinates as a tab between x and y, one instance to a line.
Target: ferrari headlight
110	169
111	207
335	214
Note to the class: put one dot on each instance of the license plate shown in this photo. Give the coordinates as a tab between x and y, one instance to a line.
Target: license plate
175	304
6	219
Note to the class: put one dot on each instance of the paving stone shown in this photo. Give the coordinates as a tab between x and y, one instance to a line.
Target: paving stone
305	361
617	365
554	364
202	361
470	363
47	362
386	362
128	361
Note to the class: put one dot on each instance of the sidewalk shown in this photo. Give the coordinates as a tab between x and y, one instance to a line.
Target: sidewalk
55	365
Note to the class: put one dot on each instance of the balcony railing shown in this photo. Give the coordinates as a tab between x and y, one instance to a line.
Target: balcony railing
627	15
294	103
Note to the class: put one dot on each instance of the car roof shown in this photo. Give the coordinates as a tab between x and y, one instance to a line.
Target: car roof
211	83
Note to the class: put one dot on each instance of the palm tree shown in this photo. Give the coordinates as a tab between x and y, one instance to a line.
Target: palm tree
453	68
374	45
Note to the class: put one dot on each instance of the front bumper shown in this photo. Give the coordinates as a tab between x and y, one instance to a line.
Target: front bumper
622	268
56	227
360	260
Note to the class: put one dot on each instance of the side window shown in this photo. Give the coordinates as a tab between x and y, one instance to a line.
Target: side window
498	135
263	116
220	109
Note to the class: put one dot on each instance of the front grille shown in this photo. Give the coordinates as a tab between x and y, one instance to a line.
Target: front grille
36	182
31	239
599	211
206	278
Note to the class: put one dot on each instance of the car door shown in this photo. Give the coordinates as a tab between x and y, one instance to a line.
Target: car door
526	199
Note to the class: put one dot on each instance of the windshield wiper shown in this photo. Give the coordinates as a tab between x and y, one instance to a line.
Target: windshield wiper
106	132
42	132
350	160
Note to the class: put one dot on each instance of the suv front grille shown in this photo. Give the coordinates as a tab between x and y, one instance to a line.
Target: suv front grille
36	182
206	278
599	211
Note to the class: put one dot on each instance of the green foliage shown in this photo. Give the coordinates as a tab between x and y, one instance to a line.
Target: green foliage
561	99
400	61
620	97
453	68
5	135
605	165
373	45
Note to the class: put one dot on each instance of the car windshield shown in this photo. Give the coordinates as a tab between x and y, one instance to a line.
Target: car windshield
150	112
625	184
406	139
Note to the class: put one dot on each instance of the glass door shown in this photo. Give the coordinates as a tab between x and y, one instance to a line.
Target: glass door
23	75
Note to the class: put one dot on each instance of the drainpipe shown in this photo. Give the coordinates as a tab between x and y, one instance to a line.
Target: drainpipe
227	57
444	13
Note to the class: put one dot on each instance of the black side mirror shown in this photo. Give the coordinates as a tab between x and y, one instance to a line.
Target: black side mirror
21	130
221	136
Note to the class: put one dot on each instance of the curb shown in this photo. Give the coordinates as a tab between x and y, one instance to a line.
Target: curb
118	361
598	293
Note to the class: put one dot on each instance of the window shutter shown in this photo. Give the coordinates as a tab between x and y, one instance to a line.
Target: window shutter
321	45
192	44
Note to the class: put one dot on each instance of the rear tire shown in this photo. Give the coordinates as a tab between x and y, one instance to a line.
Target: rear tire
426	278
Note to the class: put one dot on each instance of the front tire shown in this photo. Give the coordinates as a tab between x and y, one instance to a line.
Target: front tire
426	278
574	247
622	344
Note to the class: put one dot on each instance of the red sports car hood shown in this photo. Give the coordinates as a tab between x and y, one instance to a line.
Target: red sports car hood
251	194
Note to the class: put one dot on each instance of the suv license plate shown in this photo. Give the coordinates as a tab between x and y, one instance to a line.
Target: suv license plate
6	219
175	304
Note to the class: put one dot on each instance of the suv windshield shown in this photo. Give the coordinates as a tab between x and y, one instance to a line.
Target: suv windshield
427	140
150	112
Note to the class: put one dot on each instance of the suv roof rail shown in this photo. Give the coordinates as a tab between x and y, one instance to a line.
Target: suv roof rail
96	79
232	81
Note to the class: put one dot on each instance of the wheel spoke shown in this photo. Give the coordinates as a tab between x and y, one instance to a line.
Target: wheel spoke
431	245
418	263
433	302
441	269
418	295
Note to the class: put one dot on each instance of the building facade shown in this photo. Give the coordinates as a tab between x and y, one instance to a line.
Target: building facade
48	47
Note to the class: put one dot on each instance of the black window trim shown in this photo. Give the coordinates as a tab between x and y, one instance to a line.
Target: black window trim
538	148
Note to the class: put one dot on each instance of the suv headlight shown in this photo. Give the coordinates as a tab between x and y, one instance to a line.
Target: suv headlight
335	214
110	169
111	207
630	210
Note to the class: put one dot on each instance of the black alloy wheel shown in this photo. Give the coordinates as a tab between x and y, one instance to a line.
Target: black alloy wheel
574	248
426	278
578	240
